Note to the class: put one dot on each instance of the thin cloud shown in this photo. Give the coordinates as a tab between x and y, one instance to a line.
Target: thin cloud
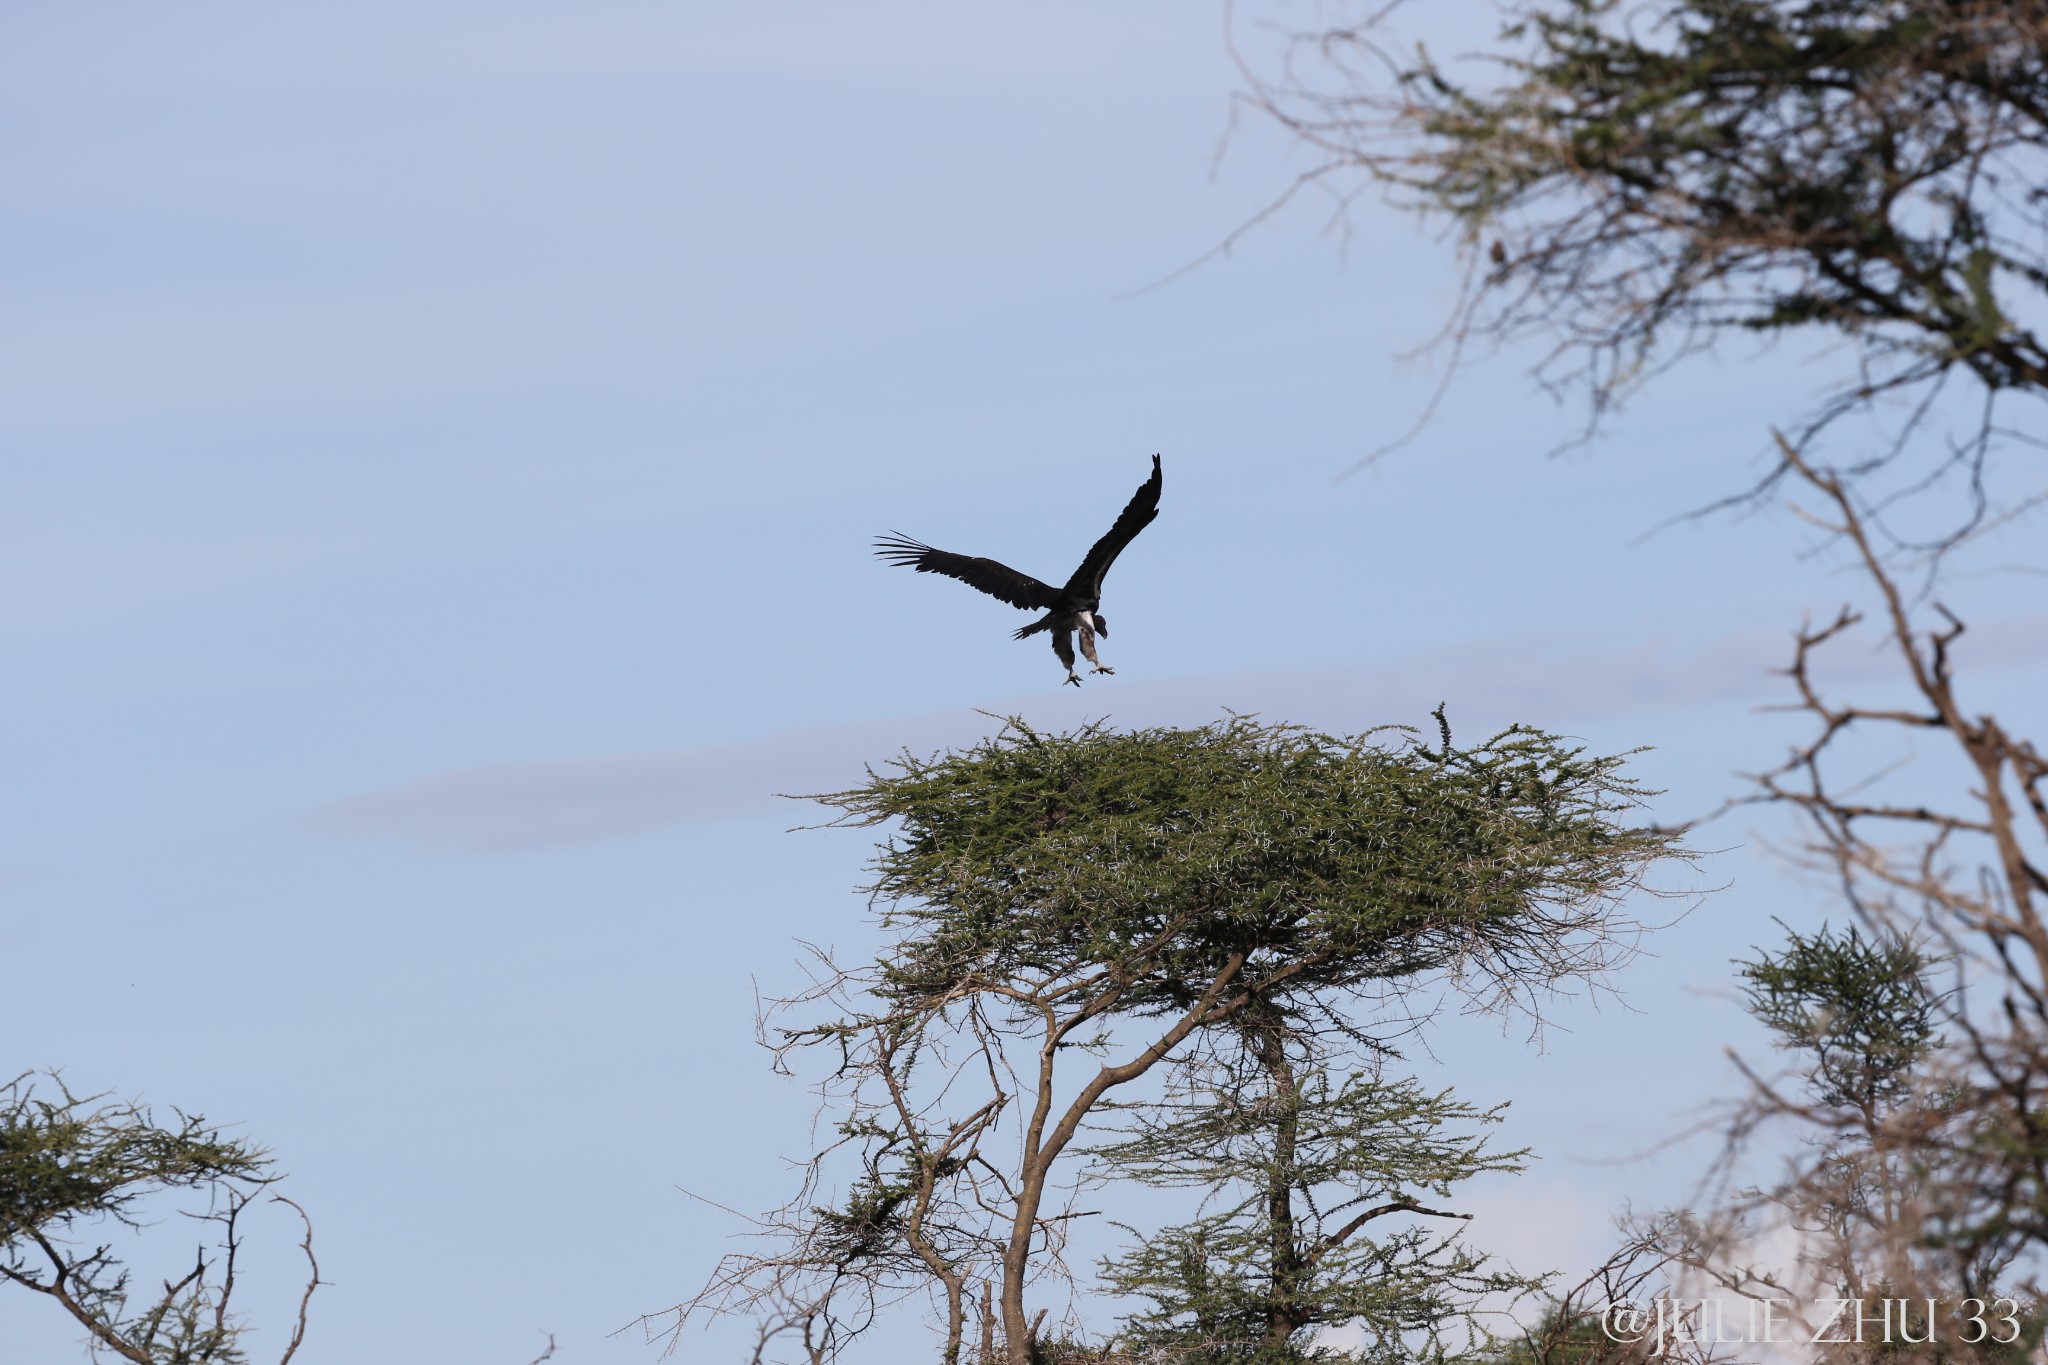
1550	680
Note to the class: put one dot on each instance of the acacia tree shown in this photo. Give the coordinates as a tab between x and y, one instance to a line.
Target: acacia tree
76	1170
1313	1217
1922	1042
1632	182
1072	913
1912	1119
73	1164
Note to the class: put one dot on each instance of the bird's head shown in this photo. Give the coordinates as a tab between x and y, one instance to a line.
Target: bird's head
1101	625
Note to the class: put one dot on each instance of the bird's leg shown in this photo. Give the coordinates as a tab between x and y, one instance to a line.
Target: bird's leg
1088	648
1063	645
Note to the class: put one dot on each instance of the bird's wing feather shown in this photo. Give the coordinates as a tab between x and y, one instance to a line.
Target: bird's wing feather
1136	516
997	580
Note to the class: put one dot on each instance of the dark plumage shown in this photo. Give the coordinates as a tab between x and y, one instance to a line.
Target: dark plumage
1070	610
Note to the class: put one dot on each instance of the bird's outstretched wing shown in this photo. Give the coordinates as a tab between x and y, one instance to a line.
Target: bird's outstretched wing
997	580
1136	516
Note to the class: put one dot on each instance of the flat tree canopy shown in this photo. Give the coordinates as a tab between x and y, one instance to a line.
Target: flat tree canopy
1072	912
1157	857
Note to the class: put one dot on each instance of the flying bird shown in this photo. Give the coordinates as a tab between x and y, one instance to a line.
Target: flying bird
1069	611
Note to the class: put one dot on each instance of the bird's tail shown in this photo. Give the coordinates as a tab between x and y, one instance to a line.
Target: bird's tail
1042	623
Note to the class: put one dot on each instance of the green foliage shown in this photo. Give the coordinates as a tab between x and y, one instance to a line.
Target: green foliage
1380	1139
1560	1337
1861	1010
1318	862
1317	1198
1840	143
70	1165
1657	173
62	1159
1122	903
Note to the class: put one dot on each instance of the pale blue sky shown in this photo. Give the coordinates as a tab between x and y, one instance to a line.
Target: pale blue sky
441	445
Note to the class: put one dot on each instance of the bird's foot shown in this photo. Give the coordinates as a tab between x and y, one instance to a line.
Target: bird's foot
1104	668
1074	678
